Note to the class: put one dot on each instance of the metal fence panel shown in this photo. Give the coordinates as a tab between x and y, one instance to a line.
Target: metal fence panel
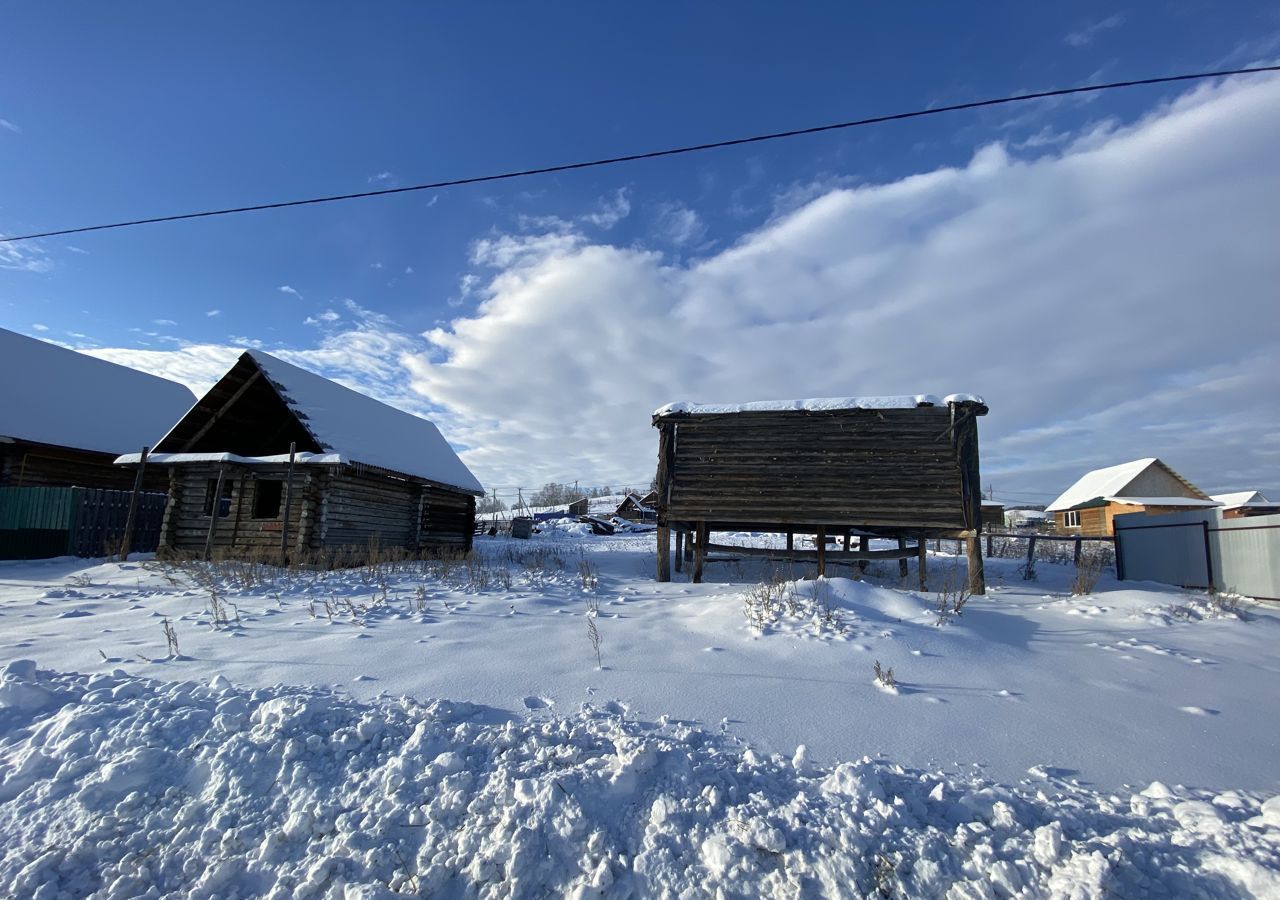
1246	556
1169	549
40	522
1199	548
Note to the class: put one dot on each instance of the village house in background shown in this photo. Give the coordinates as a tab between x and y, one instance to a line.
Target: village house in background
635	508
1243	504
1026	517
364	474
1144	485
895	467
65	416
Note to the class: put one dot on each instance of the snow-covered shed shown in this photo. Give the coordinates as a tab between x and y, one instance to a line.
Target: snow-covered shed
364	474
633	508
65	416
1141	485
902	467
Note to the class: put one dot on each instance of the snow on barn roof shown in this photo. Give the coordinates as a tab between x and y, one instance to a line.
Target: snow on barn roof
357	428
58	396
367	430
1239	499
820	404
1109	484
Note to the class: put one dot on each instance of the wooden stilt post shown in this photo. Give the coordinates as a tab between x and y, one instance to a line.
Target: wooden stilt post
688	546
1031	551
213	513
864	544
700	552
821	540
679	549
847	538
1077	553
977	575
989	553
133	508
902	563
923	565
665	437
791	541
288	502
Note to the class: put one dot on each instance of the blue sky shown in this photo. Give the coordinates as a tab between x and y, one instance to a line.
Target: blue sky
110	112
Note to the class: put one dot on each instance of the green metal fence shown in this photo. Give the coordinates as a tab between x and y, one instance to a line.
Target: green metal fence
39	522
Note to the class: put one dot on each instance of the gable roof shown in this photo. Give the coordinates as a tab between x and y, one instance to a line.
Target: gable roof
1110	483
1240	499
336	418
71	399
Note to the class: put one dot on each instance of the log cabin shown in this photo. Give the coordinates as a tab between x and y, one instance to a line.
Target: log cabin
65	416
1143	485
890	467
361	474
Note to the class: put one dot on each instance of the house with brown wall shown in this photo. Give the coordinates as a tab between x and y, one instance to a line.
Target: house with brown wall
1143	485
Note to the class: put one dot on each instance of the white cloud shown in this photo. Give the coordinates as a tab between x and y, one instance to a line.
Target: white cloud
381	177
163	322
323	318
610	210
1083	37
10	126
285	289
24	257
213	313
1113	300
680	225
36	326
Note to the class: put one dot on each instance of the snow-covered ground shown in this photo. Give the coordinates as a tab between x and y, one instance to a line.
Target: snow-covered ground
1037	742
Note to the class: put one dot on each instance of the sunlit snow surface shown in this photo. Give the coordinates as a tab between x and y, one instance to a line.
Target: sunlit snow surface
1036	744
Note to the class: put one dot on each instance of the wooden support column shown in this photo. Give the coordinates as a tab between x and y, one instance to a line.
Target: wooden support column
665	438
923	561
1077	553
864	544
989	553
821	540
902	563
288	502
133	507
977	575
213	513
680	550
846	541
700	552
791	541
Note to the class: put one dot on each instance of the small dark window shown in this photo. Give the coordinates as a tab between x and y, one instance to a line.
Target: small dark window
224	507
266	498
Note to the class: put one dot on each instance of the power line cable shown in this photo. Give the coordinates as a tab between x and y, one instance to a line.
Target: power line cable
652	154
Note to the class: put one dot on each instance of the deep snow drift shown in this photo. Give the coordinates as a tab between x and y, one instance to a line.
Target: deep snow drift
119	786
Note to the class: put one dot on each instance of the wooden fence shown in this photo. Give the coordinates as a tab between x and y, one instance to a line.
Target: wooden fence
40	522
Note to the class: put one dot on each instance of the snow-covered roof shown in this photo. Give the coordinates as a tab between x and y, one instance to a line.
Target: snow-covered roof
52	395
1109	483
357	428
1161	501
993	503
1239	499
820	404
178	459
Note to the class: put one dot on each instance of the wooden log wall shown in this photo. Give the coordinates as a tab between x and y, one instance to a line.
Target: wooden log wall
896	468
331	509
37	465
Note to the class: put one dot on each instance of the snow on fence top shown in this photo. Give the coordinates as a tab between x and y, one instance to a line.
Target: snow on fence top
367	430
58	396
818	404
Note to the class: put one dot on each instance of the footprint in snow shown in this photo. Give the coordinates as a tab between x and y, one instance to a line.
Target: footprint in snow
363	677
1198	711
713	649
74	614
532	703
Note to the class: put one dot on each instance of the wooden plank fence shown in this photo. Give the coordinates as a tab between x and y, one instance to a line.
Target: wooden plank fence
40	522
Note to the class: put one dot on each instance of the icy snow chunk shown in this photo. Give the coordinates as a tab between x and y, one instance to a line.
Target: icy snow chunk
24	669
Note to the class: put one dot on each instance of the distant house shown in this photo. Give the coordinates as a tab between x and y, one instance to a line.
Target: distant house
65	416
992	514
1025	517
1241	504
634	509
1143	485
364	474
580	507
